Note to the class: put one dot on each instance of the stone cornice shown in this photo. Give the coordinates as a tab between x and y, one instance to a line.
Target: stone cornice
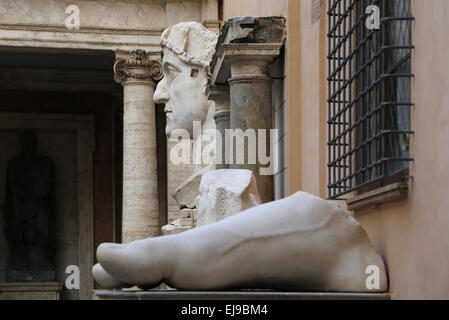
85	29
246	38
228	54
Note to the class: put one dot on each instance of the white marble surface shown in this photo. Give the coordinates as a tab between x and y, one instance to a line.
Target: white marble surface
298	243
224	193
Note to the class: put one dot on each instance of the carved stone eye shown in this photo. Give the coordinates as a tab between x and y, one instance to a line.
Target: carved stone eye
194	73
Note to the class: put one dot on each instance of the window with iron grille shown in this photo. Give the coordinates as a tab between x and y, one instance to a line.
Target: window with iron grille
369	73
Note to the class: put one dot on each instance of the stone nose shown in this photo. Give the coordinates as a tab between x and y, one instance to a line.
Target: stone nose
161	94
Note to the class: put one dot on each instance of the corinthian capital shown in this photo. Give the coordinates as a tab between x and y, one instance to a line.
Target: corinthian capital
137	65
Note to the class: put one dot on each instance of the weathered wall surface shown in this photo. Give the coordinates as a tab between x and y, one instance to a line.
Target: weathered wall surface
255	8
307	90
104	24
413	235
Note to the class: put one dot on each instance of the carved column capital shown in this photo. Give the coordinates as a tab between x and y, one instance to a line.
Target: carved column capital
249	62
137	65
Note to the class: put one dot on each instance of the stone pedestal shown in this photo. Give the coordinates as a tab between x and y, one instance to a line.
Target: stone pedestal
220	95
136	73
30	290
250	106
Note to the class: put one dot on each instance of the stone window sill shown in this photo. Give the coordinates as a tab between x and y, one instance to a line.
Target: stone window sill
374	198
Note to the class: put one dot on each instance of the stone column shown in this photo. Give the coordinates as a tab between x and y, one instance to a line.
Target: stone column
220	95
136	72
250	106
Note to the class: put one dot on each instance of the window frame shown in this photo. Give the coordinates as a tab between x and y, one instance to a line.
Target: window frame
357	126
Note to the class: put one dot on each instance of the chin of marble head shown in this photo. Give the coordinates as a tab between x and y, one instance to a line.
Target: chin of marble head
187	51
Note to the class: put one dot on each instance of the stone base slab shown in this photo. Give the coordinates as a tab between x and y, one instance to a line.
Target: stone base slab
30	290
232	295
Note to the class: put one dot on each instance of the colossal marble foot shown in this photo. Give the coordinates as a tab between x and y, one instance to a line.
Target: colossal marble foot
105	279
298	243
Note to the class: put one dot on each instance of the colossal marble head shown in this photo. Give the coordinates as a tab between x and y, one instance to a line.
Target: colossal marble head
188	48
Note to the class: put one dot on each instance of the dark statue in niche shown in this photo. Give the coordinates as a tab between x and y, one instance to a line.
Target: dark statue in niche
29	214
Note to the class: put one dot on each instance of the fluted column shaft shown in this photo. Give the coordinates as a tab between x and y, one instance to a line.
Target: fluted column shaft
140	175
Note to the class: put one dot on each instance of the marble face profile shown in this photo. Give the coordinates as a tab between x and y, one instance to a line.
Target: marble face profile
187	51
183	92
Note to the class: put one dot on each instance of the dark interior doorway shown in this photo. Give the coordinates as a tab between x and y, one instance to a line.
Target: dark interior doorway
49	81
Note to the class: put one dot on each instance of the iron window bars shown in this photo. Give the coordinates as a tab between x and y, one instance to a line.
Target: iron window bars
369	93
